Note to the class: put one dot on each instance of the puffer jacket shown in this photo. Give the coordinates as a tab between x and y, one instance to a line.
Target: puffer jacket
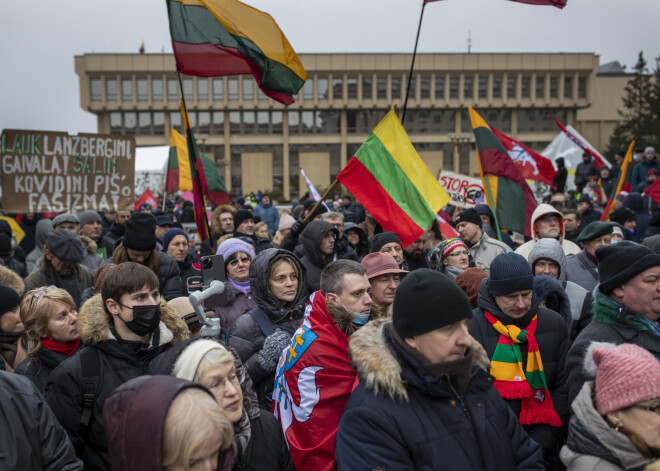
44	228
237	304
540	211
362	248
313	260
246	335
31	439
119	361
580	299
553	342
593	445
404	419
39	368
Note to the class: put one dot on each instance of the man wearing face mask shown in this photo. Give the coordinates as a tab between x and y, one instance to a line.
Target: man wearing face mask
314	376
123	328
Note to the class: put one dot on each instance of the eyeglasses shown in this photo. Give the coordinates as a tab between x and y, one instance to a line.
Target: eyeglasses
40	293
655	408
217	386
458	254
243	260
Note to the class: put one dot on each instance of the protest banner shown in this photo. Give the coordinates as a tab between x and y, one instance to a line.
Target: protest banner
465	192
44	171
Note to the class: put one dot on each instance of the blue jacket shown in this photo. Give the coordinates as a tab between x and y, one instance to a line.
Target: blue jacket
268	214
640	170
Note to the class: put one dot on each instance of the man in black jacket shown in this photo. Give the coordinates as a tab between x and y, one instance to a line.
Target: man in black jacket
318	241
123	328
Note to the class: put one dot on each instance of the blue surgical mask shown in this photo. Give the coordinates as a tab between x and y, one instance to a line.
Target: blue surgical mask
358	317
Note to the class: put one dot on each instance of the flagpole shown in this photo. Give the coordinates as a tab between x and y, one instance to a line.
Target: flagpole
194	162
318	203
412	64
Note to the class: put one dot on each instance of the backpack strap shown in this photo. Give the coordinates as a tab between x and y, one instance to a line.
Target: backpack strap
262	320
90	366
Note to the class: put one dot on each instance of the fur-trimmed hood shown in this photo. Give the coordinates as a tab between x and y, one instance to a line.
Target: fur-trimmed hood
9	277
551	292
378	368
94	323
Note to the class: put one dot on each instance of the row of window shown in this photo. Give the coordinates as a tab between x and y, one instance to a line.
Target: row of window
320	88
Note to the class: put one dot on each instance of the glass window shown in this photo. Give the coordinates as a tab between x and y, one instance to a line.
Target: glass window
328	122
115	122
322	89
294	122
157	89
142	90
412	91
448	156
130	122
159	123
192	115
351	121
249	122
175	120
499	119
568	87
483	87
95	87
497	87
144	122
248	89
218	88
202	89
188	89
235	121
539	120
276	118
204	122
218	122
337	88
554	87
262	122
172	90
307	122
127	90
381	88
308	89
442	121
352	87
111	89
232	89
425	87
261	95
468	87
453	87
540	87
526	86
511	87
396	88
367	88
440	88
582	87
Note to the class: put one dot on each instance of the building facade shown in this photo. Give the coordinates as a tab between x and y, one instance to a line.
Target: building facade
259	144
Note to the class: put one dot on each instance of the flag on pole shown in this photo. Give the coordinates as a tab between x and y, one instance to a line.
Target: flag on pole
554	3
653	191
446	228
179	174
310	186
622	182
147	197
509	196
392	182
599	160
226	37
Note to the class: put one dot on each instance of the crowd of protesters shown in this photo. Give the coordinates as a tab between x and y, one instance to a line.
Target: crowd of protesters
338	347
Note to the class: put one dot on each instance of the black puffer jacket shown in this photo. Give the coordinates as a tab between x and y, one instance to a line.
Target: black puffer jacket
118	361
313	260
553	341
39	368
246	335
404	418
31	439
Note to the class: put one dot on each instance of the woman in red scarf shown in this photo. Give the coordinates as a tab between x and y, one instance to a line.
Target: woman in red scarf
49	316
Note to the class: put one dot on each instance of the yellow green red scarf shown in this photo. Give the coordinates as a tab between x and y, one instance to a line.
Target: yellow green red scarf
512	382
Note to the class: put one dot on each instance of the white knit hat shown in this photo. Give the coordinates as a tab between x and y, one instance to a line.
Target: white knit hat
188	362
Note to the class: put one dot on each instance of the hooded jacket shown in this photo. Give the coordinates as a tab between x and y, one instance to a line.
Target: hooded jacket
313	260
592	444
31	439
246	335
635	202
552	339
580	299
362	248
641	169
44	228
119	362
540	211
404	418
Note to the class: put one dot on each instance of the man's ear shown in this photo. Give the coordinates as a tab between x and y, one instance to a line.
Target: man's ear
412	341
618	292
48	254
112	306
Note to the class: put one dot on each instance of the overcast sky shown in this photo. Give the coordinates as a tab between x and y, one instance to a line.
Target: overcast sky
40	38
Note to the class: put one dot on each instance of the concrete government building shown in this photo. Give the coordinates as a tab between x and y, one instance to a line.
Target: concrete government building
258	143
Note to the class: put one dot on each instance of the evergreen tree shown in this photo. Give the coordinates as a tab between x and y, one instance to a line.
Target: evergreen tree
655	106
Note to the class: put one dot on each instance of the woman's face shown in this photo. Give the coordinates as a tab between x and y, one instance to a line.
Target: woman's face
283	283
239	267
10	322
353	237
641	421
459	258
261	232
62	323
225	384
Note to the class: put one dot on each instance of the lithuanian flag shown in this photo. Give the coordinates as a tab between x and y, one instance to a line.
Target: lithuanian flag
509	196
179	176
392	182
226	37
623	182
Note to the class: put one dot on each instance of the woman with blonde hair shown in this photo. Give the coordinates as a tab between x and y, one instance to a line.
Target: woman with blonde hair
49	316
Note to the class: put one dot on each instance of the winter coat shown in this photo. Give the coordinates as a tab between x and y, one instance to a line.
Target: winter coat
593	445
91	260
345	250
485	250
362	248
31	439
106	243
405	419
582	271
268	214
591	215
30	229
13	350
552	339
16	266
635	202
313	260
607	325
559	180
237	304
39	367
169	277
641	169
246	335
580	299
119	361
540	211
115	232
552	295
46	277
582	173
490	230
44	228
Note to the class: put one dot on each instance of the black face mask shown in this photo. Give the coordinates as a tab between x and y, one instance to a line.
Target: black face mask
145	319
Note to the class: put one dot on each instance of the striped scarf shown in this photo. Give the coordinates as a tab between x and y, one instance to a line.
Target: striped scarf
512	382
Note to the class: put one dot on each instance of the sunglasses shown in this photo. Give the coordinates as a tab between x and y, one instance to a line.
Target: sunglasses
243	260
40	293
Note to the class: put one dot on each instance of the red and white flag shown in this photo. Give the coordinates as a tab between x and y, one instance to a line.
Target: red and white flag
599	160
147	197
310	186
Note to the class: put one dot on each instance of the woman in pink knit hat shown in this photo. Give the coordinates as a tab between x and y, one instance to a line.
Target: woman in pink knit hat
615	422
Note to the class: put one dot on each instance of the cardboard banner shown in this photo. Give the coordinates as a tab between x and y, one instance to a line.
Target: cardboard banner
465	192
45	171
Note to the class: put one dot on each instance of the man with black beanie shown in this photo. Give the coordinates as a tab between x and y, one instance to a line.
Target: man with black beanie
482	247
388	242
626	306
423	396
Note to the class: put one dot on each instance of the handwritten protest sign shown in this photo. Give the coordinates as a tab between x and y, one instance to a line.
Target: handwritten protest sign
465	191
45	171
